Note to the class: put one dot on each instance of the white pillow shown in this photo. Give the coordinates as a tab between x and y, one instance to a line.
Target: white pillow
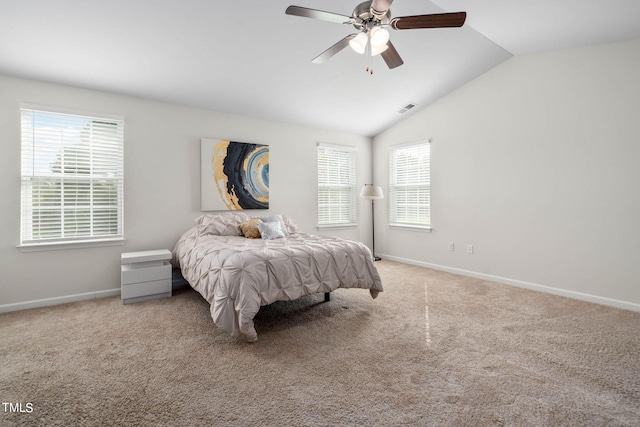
271	230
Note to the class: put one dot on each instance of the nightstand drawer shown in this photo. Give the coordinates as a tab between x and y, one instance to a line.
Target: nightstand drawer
146	288
136	275
145	275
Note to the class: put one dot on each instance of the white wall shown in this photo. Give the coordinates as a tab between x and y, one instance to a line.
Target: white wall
537	164
162	185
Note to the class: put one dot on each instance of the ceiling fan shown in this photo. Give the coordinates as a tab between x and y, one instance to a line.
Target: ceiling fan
372	18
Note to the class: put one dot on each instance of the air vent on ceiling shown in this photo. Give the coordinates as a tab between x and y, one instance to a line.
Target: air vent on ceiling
407	107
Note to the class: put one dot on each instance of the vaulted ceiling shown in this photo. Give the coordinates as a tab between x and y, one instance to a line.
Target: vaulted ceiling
247	57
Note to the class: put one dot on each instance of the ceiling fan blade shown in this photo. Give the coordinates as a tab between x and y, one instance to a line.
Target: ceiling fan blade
391	56
380	7
324	56
318	14
438	20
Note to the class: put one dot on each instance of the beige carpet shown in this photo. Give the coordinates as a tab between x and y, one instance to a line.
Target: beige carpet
433	349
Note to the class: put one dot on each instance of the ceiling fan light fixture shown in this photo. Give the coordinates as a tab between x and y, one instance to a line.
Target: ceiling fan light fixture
359	43
379	36
372	19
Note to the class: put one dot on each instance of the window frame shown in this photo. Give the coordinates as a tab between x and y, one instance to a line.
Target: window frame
338	189
94	171
420	189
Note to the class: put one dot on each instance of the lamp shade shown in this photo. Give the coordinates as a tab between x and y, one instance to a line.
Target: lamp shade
370	191
378	50
379	36
359	43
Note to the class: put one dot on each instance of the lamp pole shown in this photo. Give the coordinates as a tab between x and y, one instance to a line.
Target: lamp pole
373	192
373	233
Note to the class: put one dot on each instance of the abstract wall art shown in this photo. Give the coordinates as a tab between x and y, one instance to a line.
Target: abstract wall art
234	175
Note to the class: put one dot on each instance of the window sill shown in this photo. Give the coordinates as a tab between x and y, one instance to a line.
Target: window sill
56	246
425	228
330	226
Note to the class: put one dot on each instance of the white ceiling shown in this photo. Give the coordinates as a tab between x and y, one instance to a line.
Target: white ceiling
247	57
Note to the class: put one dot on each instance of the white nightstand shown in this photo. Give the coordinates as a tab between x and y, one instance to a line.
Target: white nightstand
145	275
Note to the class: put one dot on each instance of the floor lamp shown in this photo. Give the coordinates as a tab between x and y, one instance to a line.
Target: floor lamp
373	192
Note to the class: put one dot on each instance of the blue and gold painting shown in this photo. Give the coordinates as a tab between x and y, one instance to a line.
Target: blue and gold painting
235	175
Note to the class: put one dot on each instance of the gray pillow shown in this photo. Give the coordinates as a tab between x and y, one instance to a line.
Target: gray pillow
271	230
275	218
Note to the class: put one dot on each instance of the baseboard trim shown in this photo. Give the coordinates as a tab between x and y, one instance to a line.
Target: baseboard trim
58	300
520	284
506	281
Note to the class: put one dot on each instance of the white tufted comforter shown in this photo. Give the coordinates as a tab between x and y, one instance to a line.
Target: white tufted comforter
237	275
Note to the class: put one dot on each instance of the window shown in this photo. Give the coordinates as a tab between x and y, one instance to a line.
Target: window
336	185
410	185
72	177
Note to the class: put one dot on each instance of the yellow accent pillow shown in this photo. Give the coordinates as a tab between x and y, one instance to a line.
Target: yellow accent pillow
250	229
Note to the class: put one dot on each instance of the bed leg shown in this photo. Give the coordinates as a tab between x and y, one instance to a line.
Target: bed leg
327	296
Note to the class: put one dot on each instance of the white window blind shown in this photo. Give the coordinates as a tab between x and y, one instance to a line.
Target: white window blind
72	177
410	185
336	185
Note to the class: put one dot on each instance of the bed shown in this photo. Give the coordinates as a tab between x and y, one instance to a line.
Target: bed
237	272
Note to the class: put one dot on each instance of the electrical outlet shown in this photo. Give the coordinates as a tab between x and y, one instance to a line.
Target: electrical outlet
452	246
469	249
